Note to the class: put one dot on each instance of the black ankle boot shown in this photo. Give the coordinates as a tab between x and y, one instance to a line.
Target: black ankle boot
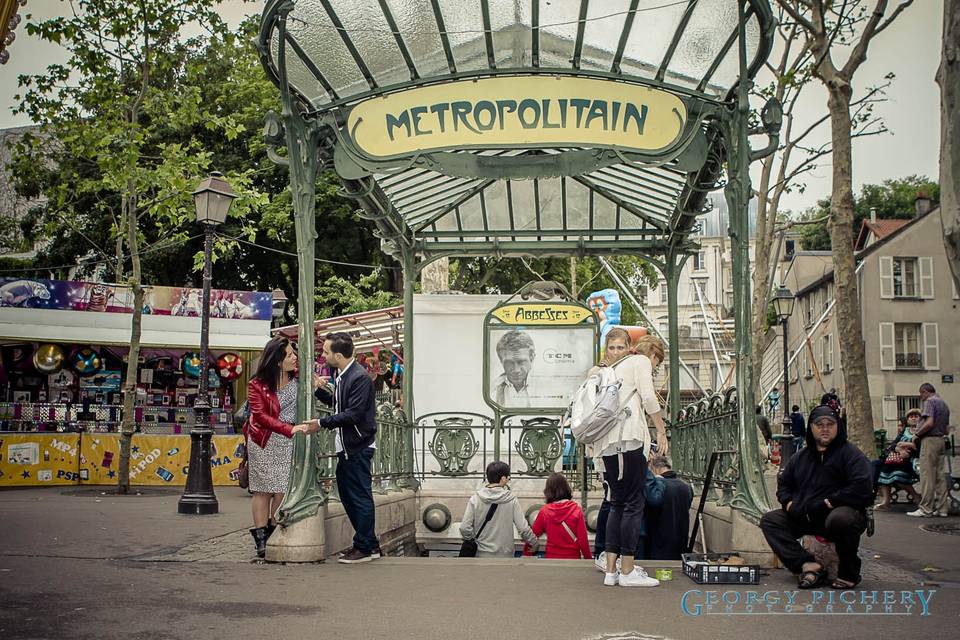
260	538
271	526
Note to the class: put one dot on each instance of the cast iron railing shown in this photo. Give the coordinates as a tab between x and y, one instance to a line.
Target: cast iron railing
713	424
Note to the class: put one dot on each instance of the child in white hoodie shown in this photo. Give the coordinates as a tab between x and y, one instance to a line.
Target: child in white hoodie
496	539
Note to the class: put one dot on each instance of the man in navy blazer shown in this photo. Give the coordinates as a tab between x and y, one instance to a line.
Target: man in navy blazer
354	423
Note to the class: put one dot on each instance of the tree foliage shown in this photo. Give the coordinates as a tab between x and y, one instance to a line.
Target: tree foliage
205	114
893	199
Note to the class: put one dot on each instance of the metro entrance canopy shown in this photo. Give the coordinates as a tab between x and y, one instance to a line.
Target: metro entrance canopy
523	127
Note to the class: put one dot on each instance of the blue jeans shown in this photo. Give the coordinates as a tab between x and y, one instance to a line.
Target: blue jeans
356	495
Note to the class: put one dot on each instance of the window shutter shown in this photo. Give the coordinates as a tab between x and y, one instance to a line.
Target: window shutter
889	407
818	353
931	346
828	352
926	278
886	277
953	283
888	359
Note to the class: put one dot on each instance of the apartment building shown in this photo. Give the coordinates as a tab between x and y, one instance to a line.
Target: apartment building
910	314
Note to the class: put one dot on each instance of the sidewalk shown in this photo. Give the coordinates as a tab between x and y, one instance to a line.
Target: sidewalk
90	566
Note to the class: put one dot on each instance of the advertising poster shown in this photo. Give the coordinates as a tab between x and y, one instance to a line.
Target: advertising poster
160	460
108	298
537	354
31	460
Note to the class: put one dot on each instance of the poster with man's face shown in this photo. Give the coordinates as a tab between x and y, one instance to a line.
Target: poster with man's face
537	367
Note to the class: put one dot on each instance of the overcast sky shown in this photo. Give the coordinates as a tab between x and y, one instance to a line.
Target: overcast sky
910	49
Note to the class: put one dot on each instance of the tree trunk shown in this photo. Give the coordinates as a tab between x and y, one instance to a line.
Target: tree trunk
850	332
948	77
128	426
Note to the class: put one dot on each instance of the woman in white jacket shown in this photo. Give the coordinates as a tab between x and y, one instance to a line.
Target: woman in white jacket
623	452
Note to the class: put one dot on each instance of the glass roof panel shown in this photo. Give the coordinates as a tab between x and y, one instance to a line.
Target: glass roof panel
495	201
578	205
299	76
512	35
558	32
729	69
601	34
312	28
464	24
703	38
368	28
418	27
524	205
551	206
653	29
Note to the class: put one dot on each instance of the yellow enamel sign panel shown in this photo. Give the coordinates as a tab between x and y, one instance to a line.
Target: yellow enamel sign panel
30	459
538	111
541	313
38	459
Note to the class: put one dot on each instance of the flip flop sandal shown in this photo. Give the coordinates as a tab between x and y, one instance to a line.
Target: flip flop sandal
811	579
844	585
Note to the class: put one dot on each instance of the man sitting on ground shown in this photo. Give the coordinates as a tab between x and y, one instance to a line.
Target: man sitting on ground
825	490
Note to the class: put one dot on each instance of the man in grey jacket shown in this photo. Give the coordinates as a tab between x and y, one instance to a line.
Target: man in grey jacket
497	537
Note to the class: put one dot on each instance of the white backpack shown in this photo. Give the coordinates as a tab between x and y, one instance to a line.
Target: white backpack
596	409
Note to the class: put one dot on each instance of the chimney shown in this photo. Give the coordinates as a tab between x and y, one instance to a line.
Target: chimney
922	203
873	214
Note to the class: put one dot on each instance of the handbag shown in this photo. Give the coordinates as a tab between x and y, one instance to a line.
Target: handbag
469	548
243	471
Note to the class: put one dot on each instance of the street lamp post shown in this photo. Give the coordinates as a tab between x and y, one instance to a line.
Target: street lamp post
212	199
783	301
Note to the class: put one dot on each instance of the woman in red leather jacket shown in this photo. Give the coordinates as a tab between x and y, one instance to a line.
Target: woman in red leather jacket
272	397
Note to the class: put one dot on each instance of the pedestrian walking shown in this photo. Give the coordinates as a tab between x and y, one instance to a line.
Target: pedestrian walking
933	428
824	490
354	423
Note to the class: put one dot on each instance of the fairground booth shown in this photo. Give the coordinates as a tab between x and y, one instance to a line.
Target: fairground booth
500	129
63	360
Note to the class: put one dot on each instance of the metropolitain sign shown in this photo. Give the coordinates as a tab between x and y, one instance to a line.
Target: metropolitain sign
518	111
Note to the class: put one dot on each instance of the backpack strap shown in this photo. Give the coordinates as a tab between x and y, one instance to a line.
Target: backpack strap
569	531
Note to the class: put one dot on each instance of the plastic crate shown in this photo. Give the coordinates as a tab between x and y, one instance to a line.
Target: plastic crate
708	568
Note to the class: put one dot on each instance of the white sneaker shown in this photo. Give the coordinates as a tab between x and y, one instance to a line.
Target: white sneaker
920	513
611	579
601	561
637	578
942	514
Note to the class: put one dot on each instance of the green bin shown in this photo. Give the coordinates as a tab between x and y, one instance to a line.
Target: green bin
880	439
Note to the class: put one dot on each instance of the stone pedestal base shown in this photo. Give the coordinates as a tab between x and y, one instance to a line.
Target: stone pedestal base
303	541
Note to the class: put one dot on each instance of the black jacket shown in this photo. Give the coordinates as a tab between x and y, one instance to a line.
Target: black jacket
357	419
669	523
841	474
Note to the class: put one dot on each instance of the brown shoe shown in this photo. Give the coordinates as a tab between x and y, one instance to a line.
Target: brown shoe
356	556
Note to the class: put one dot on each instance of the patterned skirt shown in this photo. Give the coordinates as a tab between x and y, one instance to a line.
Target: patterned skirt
270	466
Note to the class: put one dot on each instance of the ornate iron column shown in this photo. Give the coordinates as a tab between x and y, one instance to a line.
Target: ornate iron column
751	494
408	479
304	495
672	273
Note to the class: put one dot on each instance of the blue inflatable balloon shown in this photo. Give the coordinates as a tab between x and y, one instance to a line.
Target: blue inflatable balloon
606	304
191	364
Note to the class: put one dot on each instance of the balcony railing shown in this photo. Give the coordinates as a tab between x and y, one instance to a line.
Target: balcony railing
909	361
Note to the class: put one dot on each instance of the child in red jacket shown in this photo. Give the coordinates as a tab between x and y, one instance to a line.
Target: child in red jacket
562	520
